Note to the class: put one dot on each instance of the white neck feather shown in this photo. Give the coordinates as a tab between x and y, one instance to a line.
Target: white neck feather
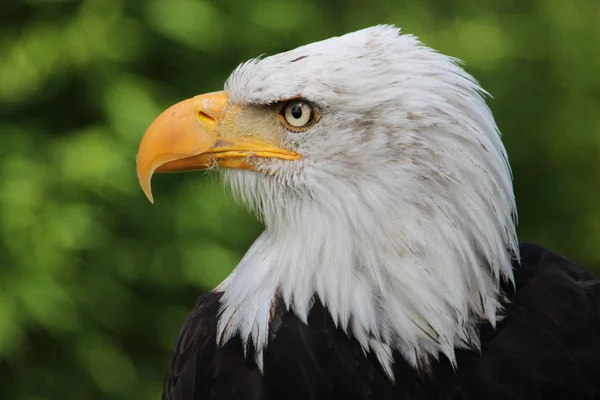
417	277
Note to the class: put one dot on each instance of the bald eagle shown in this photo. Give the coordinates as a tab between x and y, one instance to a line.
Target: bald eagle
389	267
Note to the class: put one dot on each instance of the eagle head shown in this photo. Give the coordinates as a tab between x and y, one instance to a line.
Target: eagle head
384	186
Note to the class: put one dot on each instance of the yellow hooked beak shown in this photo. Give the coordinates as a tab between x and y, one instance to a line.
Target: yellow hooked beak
198	133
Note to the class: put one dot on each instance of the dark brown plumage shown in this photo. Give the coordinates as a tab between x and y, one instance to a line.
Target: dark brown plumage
546	347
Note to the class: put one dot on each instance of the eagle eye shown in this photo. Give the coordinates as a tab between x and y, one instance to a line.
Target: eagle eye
298	114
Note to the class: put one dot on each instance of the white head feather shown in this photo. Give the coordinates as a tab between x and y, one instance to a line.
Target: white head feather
399	217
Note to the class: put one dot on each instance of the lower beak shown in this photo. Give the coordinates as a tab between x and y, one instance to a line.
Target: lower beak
190	135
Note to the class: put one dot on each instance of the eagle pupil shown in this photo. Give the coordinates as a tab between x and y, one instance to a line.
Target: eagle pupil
297	111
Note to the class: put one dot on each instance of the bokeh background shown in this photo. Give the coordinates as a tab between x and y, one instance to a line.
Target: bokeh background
95	281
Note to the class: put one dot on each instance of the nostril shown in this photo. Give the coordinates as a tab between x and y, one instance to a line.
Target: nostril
204	115
206	120
210	108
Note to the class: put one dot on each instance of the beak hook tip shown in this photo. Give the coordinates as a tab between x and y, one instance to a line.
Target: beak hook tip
146	185
148	192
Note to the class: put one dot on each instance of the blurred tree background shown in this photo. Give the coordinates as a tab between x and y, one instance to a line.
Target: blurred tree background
95	281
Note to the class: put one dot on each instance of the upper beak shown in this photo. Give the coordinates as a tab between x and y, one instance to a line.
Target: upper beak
191	135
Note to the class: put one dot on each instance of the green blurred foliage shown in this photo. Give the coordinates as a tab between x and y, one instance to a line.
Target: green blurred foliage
95	281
